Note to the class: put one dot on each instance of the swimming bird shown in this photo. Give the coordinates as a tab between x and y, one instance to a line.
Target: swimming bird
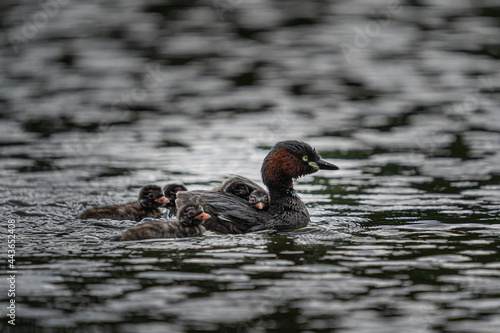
148	204
170	191
287	160
246	189
188	223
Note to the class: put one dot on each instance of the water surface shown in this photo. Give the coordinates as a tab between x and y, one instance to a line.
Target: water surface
105	98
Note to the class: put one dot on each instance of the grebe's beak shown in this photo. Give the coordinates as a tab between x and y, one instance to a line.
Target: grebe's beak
162	200
324	165
202	217
260	205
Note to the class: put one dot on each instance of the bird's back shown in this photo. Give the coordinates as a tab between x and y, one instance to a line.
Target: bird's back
229	213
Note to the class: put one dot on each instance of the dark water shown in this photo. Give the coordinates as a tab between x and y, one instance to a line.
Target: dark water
103	97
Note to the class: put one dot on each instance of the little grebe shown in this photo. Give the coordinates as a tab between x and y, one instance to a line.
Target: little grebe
170	191
246	189
259	199
287	160
188	223
149	204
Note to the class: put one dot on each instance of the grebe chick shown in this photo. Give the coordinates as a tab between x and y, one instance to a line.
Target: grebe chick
148	204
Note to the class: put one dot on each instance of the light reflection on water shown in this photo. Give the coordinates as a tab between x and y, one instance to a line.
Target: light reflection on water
403	238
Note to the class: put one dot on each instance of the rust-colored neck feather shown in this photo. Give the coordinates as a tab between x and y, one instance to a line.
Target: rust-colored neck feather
279	169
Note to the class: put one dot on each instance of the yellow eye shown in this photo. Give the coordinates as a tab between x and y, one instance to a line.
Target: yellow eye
305	158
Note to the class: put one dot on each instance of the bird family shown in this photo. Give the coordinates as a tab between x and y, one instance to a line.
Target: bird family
237	206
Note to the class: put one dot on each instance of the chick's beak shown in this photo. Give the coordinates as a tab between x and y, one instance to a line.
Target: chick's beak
202	217
259	205
162	200
324	165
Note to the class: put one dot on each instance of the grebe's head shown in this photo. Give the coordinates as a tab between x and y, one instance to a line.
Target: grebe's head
191	215
171	194
151	196
259	200
290	160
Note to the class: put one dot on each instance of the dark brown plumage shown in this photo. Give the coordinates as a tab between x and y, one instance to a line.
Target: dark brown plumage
286	161
246	189
237	185
170	192
229	214
188	223
148	204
